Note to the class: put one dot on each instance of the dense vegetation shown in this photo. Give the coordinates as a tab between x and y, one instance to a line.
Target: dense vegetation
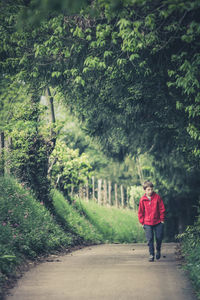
129	72
25	225
137	61
190	245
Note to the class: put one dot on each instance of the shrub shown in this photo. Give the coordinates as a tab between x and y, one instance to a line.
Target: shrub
70	169
135	193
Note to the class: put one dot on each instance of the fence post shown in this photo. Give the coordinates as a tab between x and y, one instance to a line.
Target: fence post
93	189
122	195
127	198
116	199
105	192
99	191
109	193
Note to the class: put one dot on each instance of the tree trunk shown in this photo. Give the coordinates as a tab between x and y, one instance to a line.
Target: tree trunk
8	149
53	118
51	105
53	135
2	154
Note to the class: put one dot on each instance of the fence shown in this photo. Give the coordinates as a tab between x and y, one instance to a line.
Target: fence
106	193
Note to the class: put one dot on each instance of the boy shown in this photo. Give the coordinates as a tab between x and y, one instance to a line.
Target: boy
151	215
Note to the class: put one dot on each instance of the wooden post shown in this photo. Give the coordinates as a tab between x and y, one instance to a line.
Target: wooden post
116	199
122	195
109	193
93	188
99	191
105	192
127	198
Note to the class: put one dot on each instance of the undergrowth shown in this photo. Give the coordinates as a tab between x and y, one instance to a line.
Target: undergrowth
190	245
27	229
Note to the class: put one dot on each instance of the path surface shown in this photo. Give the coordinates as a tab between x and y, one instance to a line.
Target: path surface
106	272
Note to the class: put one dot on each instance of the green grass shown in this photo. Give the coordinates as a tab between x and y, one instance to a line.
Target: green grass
116	225
72	221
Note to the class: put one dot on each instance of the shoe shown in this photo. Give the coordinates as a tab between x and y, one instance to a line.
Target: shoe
151	258
158	255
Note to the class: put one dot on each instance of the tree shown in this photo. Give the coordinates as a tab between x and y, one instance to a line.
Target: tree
129	72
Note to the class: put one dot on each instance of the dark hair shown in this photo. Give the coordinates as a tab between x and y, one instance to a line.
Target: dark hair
147	184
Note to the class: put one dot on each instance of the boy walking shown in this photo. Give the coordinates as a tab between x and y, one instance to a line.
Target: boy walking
151	215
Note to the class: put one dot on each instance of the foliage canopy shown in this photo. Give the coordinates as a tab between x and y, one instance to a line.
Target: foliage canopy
128	69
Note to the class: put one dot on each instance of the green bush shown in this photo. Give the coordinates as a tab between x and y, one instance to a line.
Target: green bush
70	169
135	193
115	225
190	245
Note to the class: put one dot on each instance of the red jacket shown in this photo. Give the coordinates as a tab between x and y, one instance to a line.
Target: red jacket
151	212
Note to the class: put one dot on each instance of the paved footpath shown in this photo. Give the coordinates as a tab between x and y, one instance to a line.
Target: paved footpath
106	272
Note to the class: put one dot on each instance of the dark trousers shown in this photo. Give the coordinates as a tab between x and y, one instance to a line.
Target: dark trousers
149	231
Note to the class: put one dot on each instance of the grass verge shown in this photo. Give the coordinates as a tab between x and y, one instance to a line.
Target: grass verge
72	221
115	225
27	230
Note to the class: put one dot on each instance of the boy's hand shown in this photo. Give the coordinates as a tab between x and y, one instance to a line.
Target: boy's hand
162	222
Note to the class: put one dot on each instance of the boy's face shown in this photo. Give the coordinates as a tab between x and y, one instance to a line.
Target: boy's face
149	191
